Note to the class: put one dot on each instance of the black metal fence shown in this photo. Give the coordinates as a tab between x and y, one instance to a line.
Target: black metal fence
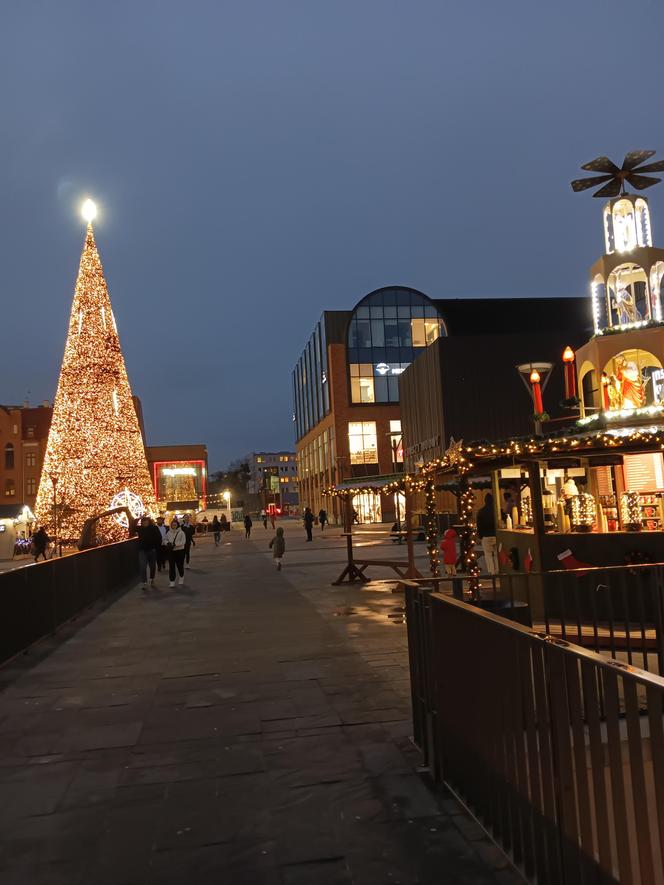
557	751
37	599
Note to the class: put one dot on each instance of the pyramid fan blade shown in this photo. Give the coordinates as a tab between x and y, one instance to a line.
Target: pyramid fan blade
641	182
600	164
633	158
612	189
582	184
652	167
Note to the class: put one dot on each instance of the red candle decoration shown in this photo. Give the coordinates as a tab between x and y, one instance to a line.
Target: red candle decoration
537	392
570	372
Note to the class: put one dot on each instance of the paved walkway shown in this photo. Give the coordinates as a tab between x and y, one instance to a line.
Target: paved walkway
251	728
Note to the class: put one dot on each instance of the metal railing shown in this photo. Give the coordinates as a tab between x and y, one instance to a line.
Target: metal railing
556	750
37	599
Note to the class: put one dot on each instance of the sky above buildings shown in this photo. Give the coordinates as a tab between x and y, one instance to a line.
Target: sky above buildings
257	162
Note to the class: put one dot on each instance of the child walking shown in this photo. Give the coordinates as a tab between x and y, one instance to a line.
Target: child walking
278	545
449	548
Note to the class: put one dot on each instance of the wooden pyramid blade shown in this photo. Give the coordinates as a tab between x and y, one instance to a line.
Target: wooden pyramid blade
600	164
641	182
652	167
582	184
612	189
633	158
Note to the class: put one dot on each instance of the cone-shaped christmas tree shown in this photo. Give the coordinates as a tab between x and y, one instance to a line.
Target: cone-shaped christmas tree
95	449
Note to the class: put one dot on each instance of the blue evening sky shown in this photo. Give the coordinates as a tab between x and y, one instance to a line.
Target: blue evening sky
259	161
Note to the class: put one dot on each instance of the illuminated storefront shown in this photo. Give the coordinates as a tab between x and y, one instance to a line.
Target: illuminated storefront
179	474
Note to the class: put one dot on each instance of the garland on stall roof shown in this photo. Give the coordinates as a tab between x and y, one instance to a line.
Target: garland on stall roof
471	566
432	528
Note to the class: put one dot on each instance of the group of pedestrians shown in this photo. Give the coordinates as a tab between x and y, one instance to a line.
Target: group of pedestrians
309	519
159	545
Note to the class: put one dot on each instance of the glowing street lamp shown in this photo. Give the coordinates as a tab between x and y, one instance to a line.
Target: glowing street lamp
227	499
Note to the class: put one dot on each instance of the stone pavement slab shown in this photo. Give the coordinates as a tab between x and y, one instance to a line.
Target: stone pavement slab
252	727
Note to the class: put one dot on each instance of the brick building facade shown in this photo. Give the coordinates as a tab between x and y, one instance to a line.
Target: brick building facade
23	436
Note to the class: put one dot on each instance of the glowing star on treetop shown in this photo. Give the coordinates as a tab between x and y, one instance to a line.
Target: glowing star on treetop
89	211
95	447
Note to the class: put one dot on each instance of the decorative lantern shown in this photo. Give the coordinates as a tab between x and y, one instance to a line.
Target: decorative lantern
630	511
584	512
537	392
570	373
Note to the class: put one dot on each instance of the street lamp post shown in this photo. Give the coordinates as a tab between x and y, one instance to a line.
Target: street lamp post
227	499
54	479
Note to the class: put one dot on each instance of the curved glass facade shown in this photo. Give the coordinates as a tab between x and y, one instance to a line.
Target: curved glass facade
386	331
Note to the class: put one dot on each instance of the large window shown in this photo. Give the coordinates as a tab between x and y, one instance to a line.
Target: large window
362	383
31	459
9	457
363	442
386	332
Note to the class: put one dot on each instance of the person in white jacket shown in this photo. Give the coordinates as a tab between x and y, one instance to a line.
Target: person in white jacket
174	542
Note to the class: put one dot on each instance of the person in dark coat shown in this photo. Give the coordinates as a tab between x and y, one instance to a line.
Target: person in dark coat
278	545
308	523
189	532
486	531
40	542
216	530
149	542
247	526
322	518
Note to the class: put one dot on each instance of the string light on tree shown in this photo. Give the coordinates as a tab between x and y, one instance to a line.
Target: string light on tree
432	528
94	445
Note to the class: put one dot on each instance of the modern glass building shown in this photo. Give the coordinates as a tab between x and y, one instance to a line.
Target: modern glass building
346	393
346	384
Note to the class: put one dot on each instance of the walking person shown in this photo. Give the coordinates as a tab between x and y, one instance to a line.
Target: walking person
278	545
161	552
149	542
264	518
322	518
40	542
175	542
449	547
486	531
308	523
247	526
189	531
216	530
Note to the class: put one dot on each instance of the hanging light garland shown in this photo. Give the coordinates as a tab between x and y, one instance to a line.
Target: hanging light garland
432	528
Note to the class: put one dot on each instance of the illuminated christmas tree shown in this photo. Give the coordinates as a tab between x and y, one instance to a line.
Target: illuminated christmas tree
95	457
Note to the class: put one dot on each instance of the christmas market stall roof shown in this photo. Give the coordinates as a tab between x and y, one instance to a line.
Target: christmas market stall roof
354	486
606	437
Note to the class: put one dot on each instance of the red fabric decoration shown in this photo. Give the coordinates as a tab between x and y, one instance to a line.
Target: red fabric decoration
528	561
569	561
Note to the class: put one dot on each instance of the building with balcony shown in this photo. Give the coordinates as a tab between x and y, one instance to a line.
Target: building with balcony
273	478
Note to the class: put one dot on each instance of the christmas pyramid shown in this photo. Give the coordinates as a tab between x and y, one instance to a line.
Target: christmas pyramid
95	449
